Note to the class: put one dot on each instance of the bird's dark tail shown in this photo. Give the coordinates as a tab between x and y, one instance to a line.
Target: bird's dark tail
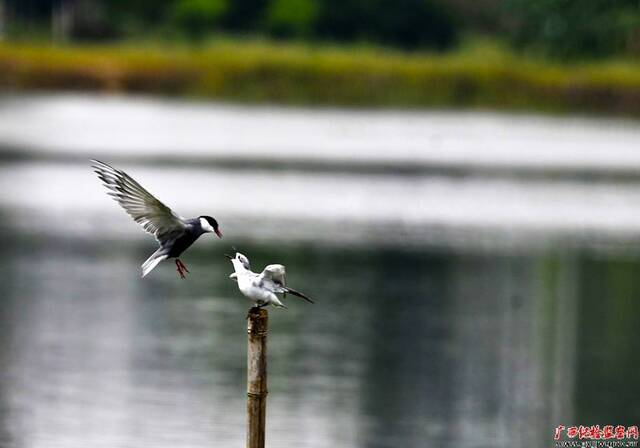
298	294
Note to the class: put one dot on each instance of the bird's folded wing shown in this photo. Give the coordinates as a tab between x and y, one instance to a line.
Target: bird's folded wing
274	277
154	217
276	273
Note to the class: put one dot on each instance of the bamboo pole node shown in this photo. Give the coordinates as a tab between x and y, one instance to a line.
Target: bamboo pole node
254	394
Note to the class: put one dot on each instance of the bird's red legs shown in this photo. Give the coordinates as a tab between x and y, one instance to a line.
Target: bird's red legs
181	268
180	273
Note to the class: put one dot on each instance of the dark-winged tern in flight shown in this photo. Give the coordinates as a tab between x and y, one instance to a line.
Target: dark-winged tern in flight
262	288
174	233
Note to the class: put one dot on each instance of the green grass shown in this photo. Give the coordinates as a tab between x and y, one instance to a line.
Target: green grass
480	76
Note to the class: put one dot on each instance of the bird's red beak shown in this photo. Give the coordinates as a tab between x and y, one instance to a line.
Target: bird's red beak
219	233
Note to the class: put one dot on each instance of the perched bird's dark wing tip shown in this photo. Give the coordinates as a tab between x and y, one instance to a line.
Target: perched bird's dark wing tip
299	294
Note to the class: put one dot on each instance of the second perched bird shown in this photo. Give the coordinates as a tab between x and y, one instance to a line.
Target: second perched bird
174	233
262	288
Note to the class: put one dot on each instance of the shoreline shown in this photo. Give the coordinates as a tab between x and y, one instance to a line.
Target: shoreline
293	74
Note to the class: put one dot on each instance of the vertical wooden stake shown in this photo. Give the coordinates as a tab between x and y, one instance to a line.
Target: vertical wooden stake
257	325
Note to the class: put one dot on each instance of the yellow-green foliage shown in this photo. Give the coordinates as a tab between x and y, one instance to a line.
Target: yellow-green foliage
484	76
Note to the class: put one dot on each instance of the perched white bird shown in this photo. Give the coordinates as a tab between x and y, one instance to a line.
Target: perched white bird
262	288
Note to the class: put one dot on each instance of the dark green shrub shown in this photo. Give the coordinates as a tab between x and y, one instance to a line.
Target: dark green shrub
288	18
197	18
245	15
404	23
575	28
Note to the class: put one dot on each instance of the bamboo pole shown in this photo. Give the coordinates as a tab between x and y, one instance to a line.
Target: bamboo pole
257	323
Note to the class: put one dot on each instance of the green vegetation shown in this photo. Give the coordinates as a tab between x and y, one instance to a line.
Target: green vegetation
570	29
557	28
197	17
286	18
560	29
484	76
400	23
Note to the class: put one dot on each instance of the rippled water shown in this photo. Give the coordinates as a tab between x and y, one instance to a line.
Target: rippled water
454	309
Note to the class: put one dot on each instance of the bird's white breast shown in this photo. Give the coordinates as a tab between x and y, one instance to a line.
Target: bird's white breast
249	287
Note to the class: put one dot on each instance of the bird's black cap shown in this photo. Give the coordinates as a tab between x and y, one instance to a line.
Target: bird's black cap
214	224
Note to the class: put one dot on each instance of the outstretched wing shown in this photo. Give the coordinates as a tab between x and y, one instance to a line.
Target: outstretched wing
276	275
154	217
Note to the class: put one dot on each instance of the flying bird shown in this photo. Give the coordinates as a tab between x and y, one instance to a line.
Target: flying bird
174	233
262	288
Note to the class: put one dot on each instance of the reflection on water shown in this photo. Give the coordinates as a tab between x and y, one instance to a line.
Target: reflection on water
452	311
608	341
402	348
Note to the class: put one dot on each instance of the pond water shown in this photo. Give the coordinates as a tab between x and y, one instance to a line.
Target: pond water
467	294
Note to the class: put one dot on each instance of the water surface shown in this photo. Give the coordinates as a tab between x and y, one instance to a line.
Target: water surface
467	309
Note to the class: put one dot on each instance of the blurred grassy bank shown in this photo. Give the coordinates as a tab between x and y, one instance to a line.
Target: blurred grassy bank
482	76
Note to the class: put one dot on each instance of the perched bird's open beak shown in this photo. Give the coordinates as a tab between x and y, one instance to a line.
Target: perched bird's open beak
219	233
228	256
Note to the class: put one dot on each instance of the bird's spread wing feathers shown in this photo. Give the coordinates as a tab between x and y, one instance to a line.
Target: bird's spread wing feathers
154	217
